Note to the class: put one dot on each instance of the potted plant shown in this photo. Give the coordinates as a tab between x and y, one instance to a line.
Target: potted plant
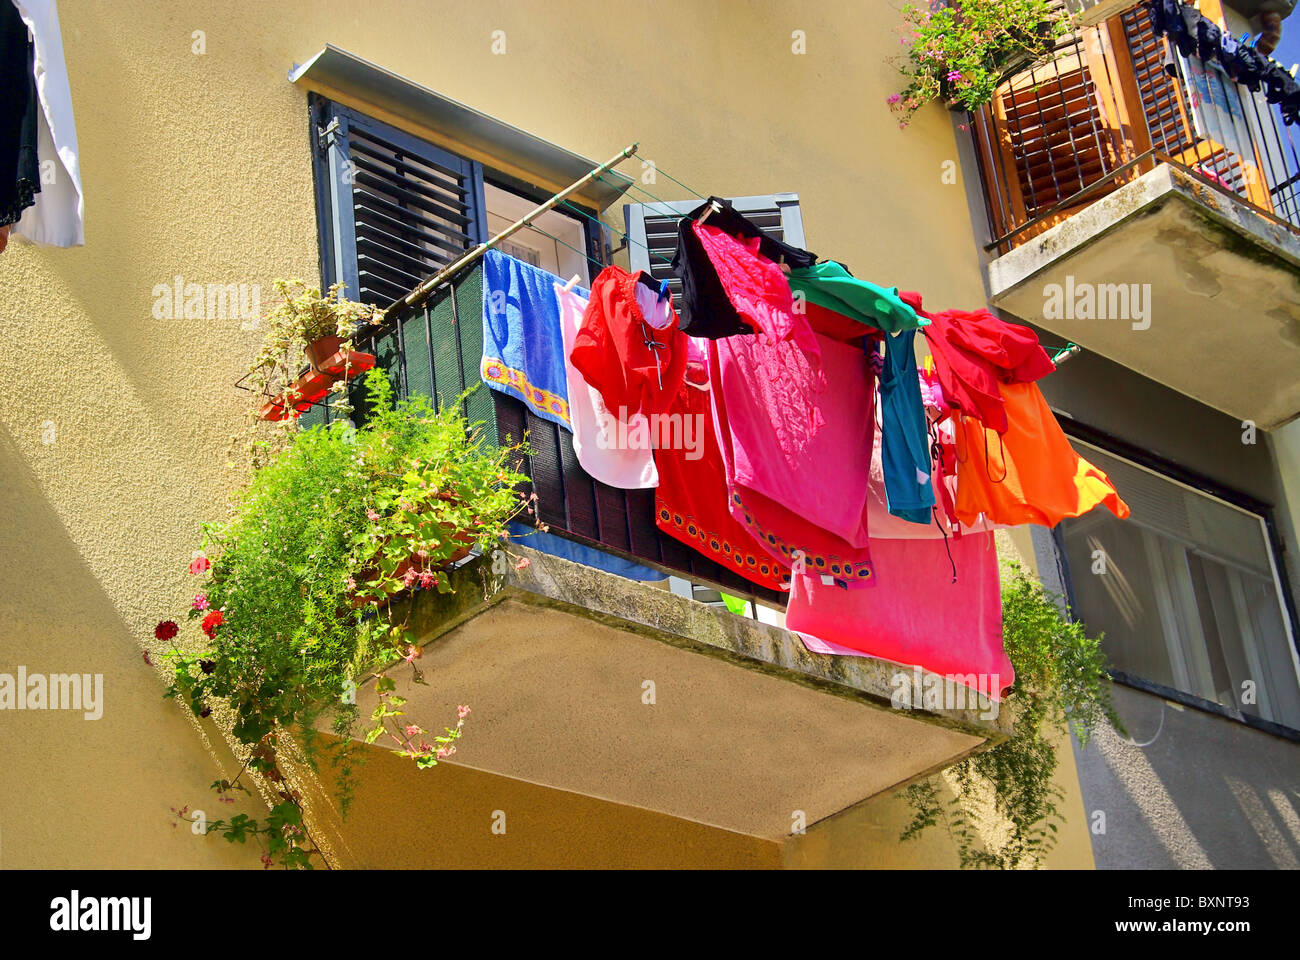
307	348
959	53
280	641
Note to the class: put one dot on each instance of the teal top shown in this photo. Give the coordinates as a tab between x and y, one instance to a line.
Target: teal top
830	285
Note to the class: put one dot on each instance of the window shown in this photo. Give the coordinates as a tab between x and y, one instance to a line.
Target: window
1187	593
394	209
554	242
652	229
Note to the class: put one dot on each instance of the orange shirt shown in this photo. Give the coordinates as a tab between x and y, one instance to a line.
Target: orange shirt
1033	475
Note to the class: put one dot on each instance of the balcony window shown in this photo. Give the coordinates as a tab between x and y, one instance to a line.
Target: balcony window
1187	593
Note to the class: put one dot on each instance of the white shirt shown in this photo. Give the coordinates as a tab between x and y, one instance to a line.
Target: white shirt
58	216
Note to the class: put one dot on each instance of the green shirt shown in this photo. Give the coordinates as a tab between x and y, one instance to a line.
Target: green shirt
830	285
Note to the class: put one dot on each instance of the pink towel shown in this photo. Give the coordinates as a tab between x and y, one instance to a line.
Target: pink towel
916	616
797	448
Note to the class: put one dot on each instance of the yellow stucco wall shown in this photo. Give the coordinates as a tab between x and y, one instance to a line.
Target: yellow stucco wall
115	425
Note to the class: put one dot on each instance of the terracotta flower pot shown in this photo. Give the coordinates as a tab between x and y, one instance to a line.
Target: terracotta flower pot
320	351
308	389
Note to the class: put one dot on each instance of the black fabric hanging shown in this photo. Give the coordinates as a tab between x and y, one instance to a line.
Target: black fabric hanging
20	179
706	310
1197	36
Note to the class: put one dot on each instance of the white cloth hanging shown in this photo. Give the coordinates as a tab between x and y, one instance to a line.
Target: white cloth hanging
58	217
596	440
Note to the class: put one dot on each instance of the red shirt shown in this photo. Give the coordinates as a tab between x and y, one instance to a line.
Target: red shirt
636	368
974	352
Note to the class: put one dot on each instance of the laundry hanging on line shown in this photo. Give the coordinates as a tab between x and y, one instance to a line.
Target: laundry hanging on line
692	503
1029	473
787	442
40	174
707	307
829	289
918	614
792	485
523	344
634	364
596	439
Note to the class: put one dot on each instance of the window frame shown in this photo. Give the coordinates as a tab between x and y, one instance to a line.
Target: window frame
634	220
1169	470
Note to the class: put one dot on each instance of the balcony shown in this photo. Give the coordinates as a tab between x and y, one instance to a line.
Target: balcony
1147	221
603	687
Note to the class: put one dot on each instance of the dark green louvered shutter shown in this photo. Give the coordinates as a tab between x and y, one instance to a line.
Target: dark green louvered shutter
393	210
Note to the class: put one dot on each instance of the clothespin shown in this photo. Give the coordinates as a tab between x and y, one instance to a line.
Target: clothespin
573	282
929	363
663	290
780	262
1294	68
714	206
1071	349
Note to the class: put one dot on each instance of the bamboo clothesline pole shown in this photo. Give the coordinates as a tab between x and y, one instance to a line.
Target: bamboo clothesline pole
428	286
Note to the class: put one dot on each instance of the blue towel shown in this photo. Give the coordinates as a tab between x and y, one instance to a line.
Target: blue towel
523	347
588	556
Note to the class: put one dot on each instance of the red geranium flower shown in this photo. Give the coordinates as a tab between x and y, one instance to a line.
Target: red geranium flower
166	630
211	622
199	564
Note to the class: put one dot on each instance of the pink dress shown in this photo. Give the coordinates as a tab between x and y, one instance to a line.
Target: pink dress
797	448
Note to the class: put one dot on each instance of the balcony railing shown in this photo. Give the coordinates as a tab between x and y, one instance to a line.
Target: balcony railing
1113	103
435	350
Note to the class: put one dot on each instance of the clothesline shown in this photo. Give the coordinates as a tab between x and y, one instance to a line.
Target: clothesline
893	556
601	223
1058	356
631	183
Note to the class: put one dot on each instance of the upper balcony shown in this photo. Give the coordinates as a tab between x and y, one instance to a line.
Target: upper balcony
1148	209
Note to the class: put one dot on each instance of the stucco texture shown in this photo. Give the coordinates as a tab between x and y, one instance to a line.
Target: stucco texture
115	425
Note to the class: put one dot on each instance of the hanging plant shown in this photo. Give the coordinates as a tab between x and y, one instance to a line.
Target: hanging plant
307	350
339	513
1061	683
959	52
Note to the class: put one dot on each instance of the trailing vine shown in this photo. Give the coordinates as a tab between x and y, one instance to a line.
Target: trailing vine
960	51
1061	683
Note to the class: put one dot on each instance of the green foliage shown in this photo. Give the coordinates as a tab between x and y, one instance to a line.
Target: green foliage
297	611
962	52
1060	682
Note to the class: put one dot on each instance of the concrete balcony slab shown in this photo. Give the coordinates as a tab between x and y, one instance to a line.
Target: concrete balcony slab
1176	280
595	685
